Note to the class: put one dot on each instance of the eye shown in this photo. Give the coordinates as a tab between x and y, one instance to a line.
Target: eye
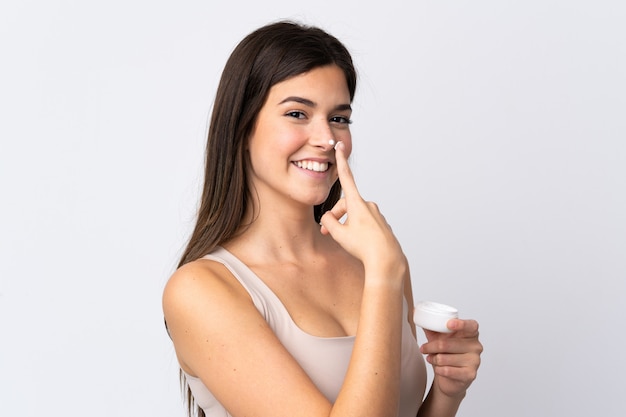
296	114
341	120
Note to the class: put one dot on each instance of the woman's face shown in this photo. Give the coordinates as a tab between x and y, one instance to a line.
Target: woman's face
291	159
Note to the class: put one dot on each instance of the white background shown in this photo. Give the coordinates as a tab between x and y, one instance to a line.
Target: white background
491	133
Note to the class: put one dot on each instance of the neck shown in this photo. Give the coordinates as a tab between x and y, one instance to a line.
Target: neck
279	234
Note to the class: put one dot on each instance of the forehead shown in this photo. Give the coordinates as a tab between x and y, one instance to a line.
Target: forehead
326	83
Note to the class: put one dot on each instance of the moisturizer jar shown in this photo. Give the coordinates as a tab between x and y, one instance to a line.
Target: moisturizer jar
434	316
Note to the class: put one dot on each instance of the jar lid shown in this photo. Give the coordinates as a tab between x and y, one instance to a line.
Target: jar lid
434	316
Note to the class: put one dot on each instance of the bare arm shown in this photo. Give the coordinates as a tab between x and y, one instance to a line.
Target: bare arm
372	382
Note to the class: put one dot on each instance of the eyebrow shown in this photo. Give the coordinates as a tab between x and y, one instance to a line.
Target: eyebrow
310	103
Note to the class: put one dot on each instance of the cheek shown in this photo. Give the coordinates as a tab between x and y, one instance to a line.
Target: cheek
271	141
287	139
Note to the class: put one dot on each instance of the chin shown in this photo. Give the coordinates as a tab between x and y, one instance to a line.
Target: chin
316	201
316	196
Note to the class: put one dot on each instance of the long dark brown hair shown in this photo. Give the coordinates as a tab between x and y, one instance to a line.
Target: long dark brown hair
265	57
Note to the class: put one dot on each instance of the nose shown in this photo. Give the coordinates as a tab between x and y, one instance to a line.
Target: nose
327	145
323	137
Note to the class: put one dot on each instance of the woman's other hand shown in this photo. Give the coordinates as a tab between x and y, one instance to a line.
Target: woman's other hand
455	356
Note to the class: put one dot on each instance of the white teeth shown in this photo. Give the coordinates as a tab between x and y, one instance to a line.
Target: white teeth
313	165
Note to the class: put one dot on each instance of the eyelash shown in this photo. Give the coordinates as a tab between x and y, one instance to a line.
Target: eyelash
343	120
295	114
337	119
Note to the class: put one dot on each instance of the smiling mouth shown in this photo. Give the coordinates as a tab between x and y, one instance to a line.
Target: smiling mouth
313	165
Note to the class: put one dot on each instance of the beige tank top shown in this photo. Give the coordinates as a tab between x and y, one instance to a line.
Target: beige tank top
325	360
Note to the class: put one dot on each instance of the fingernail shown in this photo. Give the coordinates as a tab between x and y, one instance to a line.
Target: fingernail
337	144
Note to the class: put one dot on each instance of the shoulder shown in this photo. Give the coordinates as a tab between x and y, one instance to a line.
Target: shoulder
199	279
197	300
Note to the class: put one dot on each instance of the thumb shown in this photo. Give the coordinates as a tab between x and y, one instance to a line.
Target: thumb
330	224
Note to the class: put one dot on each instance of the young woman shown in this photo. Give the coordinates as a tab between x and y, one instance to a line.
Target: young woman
278	308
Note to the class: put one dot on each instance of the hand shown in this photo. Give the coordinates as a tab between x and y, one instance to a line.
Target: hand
365	234
455	356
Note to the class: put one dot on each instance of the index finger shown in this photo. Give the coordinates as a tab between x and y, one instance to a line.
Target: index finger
346	179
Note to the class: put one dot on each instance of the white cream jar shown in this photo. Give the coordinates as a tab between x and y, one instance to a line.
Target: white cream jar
434	316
